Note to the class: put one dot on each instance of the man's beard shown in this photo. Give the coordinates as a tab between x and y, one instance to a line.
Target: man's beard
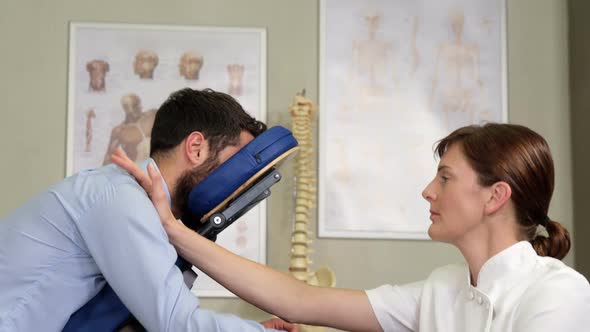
185	184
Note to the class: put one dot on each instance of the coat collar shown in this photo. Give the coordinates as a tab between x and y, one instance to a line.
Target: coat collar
506	267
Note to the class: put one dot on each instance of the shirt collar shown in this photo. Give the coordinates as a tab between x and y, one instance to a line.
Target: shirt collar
509	263
143	165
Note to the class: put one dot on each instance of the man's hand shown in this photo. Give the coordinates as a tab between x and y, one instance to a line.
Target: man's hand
279	324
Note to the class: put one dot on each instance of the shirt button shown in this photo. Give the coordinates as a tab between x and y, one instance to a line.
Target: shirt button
479	300
470	295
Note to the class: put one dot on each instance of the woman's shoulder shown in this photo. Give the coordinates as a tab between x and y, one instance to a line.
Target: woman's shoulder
555	273
450	272
451	277
558	293
554	284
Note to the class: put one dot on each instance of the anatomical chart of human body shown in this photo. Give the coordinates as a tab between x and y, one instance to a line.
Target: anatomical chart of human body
120	74
396	76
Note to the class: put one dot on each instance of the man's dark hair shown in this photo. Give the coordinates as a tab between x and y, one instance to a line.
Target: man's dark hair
218	116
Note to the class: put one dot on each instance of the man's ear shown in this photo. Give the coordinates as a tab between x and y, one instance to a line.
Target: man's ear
500	194
196	148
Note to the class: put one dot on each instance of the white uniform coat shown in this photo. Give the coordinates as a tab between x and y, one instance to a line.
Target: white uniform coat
517	290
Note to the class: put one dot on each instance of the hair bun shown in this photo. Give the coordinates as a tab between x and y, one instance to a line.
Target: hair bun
557	244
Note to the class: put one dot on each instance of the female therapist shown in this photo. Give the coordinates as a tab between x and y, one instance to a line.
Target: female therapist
489	198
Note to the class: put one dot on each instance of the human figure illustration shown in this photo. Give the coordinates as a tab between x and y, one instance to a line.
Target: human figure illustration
190	65
90	115
236	74
133	134
145	63
457	82
97	70
371	57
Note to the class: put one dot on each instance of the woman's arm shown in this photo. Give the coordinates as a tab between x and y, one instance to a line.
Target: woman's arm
270	290
274	291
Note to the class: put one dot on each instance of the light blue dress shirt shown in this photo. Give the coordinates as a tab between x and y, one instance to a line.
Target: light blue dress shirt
57	250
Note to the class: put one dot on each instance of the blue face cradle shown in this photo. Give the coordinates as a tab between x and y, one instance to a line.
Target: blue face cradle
240	182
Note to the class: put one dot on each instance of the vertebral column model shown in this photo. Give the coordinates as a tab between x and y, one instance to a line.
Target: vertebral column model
303	113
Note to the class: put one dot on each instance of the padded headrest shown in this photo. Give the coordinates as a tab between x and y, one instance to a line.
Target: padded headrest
239	169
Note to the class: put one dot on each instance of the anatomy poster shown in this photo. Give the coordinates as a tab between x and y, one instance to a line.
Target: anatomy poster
397	76
119	74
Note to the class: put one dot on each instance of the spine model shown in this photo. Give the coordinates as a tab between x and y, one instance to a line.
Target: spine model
303	114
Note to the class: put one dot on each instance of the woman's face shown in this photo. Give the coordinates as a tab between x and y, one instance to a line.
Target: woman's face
456	199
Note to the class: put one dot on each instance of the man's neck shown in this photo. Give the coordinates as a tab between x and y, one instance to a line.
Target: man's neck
171	172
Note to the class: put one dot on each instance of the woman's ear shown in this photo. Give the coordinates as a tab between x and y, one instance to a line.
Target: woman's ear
196	148
500	194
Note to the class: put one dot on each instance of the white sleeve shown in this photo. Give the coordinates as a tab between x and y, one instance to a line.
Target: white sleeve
397	307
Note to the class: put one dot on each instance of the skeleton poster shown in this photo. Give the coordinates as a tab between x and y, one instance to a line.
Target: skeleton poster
397	76
120	74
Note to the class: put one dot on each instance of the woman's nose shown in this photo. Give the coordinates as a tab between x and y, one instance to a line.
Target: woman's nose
428	193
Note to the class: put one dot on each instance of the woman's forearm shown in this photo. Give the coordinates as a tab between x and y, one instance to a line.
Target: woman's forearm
265	288
274	291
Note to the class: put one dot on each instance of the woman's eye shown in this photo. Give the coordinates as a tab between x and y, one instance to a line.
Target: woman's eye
444	178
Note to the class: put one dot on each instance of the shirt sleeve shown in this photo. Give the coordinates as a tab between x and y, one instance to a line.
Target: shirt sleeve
560	303
124	236
397	307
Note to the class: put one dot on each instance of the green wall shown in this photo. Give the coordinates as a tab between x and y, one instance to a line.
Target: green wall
34	37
